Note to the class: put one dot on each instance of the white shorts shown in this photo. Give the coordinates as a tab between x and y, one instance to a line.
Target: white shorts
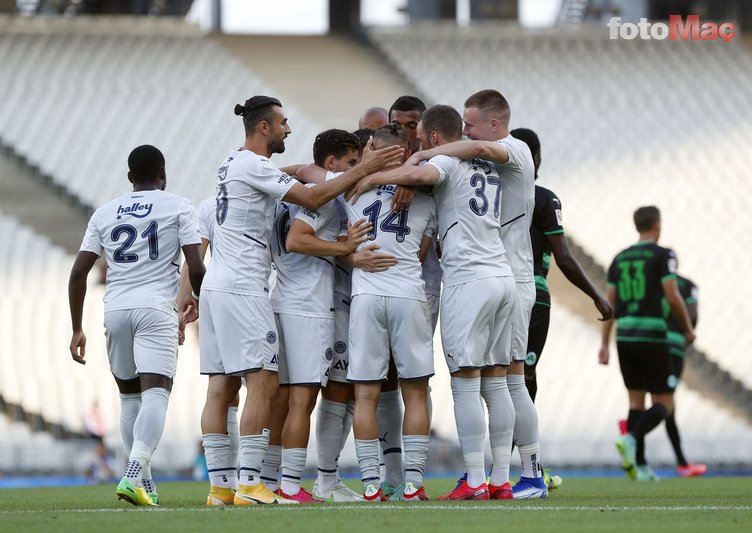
523	310
237	334
341	360
476	325
305	349
434	303
141	341
377	320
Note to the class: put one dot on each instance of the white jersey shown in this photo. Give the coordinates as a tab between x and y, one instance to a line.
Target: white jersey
141	234
432	271
468	200
398	234
248	189
207	216
305	283
517	205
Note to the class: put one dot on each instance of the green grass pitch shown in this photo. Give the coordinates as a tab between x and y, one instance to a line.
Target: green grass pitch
719	504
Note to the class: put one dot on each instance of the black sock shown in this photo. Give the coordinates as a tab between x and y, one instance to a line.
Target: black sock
673	435
645	424
632	418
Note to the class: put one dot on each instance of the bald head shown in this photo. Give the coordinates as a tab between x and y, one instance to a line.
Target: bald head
374	118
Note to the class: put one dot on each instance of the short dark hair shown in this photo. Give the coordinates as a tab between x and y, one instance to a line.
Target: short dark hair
333	142
529	137
445	119
144	163
255	110
407	103
490	100
363	134
646	217
391	134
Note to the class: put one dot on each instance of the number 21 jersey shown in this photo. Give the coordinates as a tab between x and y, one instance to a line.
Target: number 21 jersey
141	234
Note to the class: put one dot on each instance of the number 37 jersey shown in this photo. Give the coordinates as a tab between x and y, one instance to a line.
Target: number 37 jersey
397	234
141	235
468	199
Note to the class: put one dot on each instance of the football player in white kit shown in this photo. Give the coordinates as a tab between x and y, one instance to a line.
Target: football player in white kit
389	309
141	234
479	295
486	117
304	246
238	335
188	308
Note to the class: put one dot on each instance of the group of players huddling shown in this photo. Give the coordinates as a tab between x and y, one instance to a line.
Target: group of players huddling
362	241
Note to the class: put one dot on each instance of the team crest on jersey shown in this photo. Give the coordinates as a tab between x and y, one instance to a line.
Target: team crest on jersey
340	347
137	210
672	381
329	354
531	358
271	337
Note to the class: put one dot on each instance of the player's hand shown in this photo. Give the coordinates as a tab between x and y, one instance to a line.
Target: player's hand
689	337
604	308
188	310
357	234
403	198
604	355
181	331
360	188
78	347
375	160
369	261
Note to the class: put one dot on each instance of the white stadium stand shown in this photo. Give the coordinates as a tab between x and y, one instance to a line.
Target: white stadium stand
611	144
79	97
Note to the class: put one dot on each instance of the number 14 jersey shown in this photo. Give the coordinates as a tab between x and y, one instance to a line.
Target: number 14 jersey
468	201
397	234
141	234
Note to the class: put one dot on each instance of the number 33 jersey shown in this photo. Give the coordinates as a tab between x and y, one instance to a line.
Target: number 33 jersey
141	235
398	234
468	200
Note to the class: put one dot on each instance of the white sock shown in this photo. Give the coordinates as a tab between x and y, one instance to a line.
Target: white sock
530	457
293	464
471	426
368	459
347	424
146	480
389	416
233	430
270	467
416	451
217	452
252	450
129	406
526	434
330	426
147	430
500	426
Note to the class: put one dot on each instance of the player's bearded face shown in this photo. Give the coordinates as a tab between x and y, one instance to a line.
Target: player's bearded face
278	132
